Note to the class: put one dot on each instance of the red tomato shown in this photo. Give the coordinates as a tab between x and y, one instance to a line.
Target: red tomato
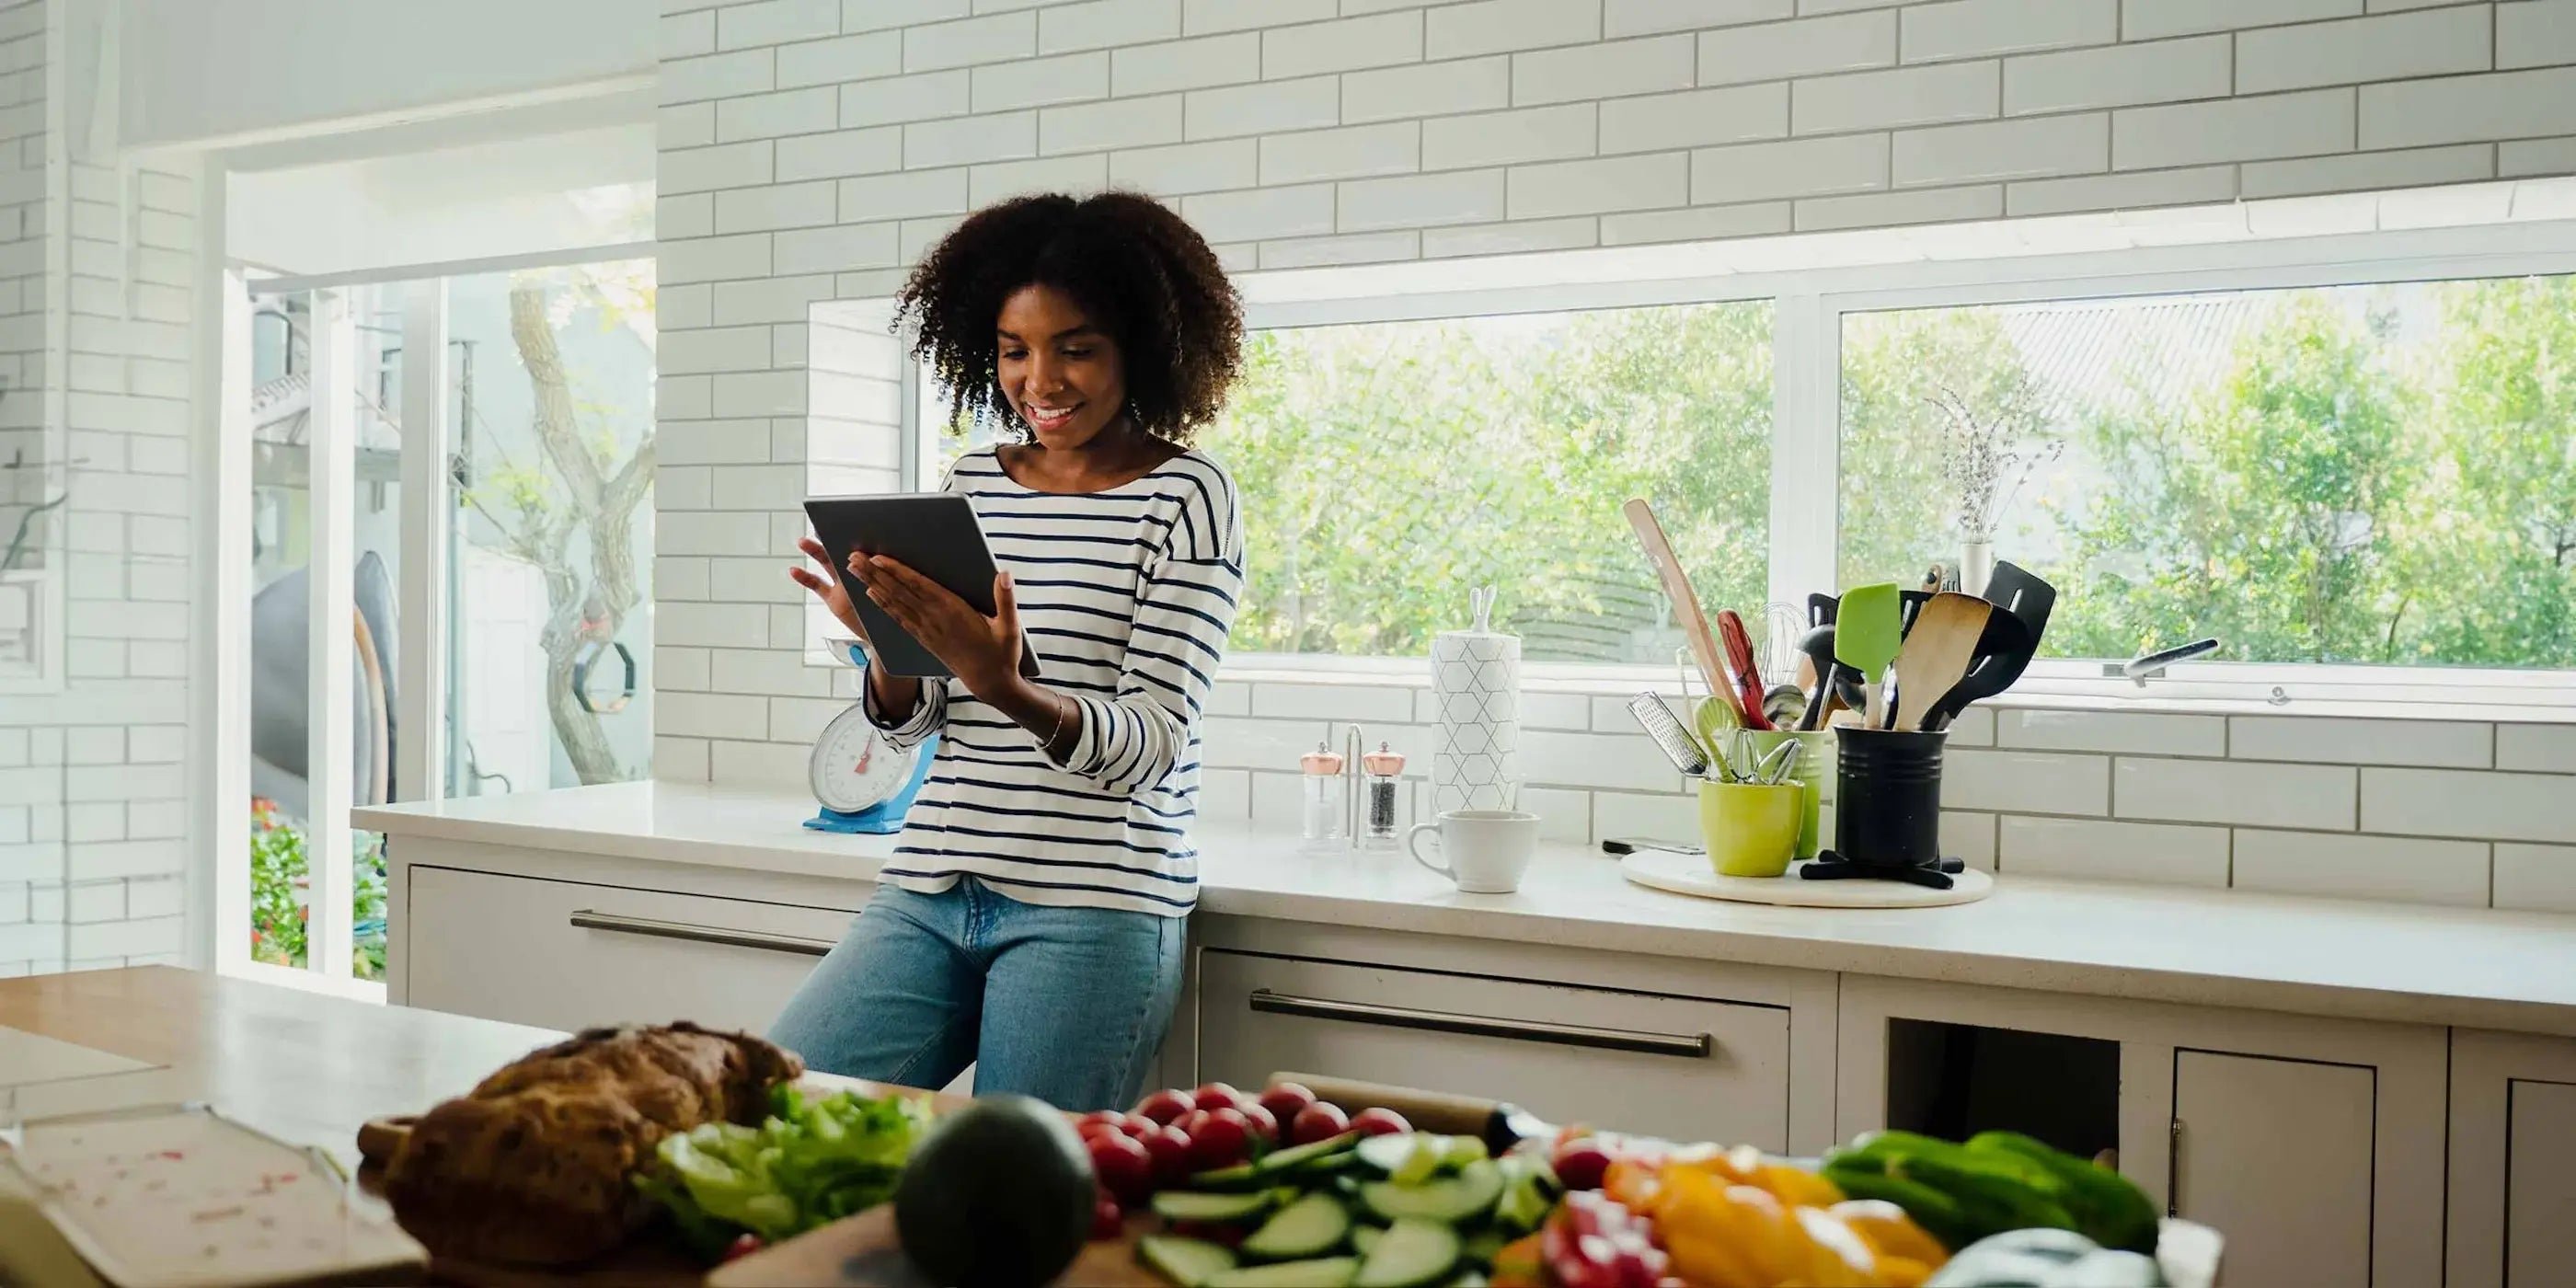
1580	1163
743	1245
1109	1120
1141	1127
1286	1101
1223	1141
1165	1105
1121	1163
1216	1095
1107	1222
1263	1125
1170	1147
1193	1122
1318	1121
1379	1122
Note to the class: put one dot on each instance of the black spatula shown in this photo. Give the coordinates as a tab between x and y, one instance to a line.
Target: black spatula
2003	651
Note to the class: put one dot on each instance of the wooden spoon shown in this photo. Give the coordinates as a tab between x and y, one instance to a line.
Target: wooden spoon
1936	653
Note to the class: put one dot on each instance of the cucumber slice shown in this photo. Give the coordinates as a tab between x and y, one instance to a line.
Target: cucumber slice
1458	1200
1469	1277
1387	1153
1316	1169
1423	1163
1415	1253
1458	1151
1365	1237
1280	1161
1218	1209
1328	1272
1241	1176
1189	1263
1307	1228
1478	1249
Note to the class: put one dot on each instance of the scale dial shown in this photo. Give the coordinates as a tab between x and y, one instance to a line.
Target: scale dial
852	768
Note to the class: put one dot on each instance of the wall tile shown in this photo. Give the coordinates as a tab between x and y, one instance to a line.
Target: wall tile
992	39
1974	727
1353	248
843	152
1701	223
1352	152
1807	47
1434	89
1201	17
687	80
2094	850
1906	96
1951	154
1501	138
2523	157
872	15
2251	129
1498	26
794	205
2036	782
1562	188
1464	196
1661	818
772	22
1263	109
2551	748
1978	28
1262	212
1697	118
850	58
2432	42
1187	168
1966	835
1808	167
2437	743
1889	209
1226	742
1380	40
2199	791
2535	35
1603	70
1103	24
896	99
1646	17
1514	238
2535	878
1040	82
1120	123
966	140
2467	109
2148	19
2121	191
2134	732
2344	866
1371	704
986	184
2438	802
1185	64
2119	76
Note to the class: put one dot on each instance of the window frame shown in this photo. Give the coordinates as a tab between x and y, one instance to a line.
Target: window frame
1809	309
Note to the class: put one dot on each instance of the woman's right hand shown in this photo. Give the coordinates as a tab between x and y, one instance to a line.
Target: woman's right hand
827	587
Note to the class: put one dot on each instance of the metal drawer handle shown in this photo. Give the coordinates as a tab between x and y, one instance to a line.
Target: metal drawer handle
588	919
1693	1045
2173	1169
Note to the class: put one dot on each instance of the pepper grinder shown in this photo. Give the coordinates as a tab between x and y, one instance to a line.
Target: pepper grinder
1381	770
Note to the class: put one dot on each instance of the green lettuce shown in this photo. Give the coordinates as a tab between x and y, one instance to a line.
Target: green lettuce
811	1162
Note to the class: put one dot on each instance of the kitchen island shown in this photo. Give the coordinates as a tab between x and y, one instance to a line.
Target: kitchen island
2233	1047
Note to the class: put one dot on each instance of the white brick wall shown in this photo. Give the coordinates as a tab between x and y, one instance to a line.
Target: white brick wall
1301	132
93	780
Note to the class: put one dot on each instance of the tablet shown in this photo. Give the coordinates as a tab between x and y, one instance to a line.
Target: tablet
932	533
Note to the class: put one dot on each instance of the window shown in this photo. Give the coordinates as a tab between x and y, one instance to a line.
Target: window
2379	474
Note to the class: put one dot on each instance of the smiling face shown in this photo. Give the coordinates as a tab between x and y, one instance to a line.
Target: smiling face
1061	373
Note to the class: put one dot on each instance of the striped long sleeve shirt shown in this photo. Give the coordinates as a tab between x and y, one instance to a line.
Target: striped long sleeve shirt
1126	595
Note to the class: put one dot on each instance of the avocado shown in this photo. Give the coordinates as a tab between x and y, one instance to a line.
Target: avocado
998	1195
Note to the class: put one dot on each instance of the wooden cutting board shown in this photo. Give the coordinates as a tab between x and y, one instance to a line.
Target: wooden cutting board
863	1252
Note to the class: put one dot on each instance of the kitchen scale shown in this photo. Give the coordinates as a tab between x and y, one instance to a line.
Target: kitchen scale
863	785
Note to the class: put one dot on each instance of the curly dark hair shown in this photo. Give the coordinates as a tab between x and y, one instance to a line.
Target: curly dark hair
1143	275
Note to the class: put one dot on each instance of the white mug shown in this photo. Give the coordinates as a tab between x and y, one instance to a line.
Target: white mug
1487	849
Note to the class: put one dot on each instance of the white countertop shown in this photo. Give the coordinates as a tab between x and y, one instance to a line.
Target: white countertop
2364	960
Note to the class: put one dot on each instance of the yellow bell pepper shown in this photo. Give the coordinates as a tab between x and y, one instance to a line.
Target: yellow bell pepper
1724	1235
1890	1232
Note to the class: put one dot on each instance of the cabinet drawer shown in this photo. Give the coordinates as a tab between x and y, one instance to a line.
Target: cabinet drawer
2277	1155
2540	1184
1670	1066
566	956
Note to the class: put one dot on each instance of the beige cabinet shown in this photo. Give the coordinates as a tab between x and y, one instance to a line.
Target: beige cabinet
1681	1067
2512	1200
2540	1185
568	955
2277	1155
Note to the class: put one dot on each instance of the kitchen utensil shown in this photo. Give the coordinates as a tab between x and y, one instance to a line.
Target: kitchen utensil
1937	653
1500	1124
1887	811
1740	668
1666	729
2023	595
1322	810
1809	769
1632	844
1677	588
2141	669
1690	874
1867	634
1909	605
1485	850
1821	609
1751	828
1782	627
1713	718
1818	646
2002	651
1381	789
1784	705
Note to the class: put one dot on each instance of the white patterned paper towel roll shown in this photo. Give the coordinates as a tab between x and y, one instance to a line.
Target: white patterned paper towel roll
1476	680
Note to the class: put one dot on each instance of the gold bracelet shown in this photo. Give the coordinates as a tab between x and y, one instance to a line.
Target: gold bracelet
1058	732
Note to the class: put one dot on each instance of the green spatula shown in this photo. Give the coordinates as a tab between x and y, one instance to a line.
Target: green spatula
1867	633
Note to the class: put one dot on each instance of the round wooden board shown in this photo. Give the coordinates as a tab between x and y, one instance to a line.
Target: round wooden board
1690	874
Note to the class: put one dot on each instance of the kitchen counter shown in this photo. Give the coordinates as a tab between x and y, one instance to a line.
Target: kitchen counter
2349	958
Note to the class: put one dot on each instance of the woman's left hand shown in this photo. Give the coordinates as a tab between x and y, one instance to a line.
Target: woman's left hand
983	652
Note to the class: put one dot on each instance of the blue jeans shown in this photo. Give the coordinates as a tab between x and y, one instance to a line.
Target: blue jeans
1065	1004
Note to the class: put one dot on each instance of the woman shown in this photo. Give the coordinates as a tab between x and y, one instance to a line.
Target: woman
1030	921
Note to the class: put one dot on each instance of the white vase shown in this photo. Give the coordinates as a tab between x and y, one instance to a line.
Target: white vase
1976	566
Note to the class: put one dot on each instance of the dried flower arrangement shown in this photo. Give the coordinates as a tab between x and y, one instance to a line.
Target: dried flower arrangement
1984	462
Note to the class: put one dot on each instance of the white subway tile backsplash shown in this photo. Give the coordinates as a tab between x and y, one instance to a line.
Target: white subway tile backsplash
1040	82
2121	191
1499	26
897	99
1694	118
2521	158
685	215
967	140
871	15
967	41
1966	835
2345	866
1978	28
1554	759
1466	196
1368	704
1700	223
1432	89
1804	168
1647	17
1104	24
2535	35
2024	149
2535	878
734	165
850	58
1188	167
1905	96
822	250
2148	19
2466	109
843	152
1584	72
1651	817
687	80
1351	152
2549	748
1262	212
1202	17
2495	806
1263	109
1501	138
681	669
1075	174
2026	782
1806	47
793	205
2244	129
1352	248
1557	189
773	22
1118	123
686	35
2428	42
2431	743
1889	209
2276	795
1515	238
1226	742
2098	850
2107	731
905	195
2119	75
1379	40
1185	64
